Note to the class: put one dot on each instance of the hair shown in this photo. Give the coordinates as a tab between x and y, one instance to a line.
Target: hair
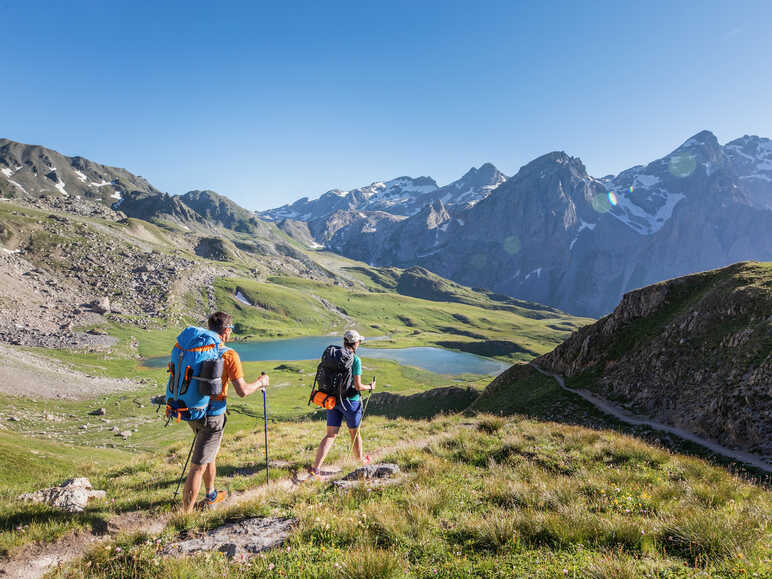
218	321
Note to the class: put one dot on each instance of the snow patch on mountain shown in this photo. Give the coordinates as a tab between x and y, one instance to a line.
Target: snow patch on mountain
638	219
536	272
60	186
242	298
12	182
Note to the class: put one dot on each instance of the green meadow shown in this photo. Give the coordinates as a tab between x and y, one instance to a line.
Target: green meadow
528	480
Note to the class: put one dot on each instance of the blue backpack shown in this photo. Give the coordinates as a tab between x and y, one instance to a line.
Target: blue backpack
195	374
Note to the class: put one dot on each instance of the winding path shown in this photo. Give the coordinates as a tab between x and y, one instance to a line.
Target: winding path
629	418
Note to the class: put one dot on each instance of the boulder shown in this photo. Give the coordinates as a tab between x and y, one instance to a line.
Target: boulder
376	474
71	496
242	539
101	305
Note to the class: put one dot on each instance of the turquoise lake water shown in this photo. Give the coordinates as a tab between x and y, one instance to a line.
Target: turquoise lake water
311	348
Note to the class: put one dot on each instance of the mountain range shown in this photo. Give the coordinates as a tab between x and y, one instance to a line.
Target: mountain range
552	233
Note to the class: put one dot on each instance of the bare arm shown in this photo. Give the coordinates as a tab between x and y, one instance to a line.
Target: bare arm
359	386
244	388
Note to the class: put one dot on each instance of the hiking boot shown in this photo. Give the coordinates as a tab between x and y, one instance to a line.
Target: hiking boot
314	473
215	497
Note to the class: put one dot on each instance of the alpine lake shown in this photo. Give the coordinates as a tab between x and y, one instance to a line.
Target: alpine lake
436	360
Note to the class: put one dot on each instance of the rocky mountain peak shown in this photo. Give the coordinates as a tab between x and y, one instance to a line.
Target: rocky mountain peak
750	158
556	162
704	146
478	181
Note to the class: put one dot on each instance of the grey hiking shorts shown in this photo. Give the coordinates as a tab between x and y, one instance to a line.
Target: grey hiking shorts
208	431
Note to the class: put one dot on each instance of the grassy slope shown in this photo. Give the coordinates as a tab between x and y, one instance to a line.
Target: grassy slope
484	496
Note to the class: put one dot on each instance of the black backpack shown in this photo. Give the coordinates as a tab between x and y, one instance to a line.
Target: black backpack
333	374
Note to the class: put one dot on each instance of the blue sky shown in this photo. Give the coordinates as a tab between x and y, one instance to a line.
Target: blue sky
268	102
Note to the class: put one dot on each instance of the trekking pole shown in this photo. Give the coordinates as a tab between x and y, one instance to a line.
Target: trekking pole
364	410
184	468
265	422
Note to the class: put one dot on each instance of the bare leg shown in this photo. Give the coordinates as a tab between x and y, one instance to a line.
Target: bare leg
192	486
325	445
356	440
209	472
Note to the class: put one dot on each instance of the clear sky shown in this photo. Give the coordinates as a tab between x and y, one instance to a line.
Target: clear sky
268	102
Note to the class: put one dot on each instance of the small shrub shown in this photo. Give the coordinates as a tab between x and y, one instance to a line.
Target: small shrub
490	424
702	536
612	566
368	563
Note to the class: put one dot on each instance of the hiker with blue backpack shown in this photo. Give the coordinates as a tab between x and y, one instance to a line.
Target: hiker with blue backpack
339	382
201	369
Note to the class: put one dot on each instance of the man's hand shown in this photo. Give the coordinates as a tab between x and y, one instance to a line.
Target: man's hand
244	388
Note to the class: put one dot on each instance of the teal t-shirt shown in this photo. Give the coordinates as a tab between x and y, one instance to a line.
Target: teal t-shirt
356	370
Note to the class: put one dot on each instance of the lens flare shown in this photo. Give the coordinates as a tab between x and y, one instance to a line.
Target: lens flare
631	188
682	164
612	198
601	202
512	244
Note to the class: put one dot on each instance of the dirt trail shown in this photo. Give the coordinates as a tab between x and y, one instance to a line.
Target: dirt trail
34	561
629	418
26	374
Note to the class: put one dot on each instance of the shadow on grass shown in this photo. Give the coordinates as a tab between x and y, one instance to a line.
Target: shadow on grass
44	515
427	404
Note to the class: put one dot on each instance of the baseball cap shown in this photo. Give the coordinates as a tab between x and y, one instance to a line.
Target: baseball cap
352	336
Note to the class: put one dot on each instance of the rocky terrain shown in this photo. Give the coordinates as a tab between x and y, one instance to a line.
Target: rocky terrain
694	353
30	171
65	273
556	235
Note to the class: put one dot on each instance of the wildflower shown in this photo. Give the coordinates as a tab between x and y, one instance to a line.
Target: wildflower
271	566
337	565
565	571
434	571
118	550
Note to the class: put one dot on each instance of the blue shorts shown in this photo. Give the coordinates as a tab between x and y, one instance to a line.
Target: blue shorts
350	409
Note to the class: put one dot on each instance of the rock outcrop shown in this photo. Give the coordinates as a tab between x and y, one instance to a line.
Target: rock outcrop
240	540
693	352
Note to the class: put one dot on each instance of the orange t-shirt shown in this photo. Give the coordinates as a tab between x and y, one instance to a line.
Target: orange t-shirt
232	370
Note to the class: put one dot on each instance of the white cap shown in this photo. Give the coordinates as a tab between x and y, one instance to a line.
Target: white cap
352	336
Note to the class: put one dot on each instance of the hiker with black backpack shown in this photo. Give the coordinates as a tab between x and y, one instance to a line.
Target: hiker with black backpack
201	369
339	379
